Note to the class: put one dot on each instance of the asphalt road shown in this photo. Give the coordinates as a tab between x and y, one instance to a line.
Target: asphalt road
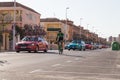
101	64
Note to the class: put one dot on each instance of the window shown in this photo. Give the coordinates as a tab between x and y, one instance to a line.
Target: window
53	29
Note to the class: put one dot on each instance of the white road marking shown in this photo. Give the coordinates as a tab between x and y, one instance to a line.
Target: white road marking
37	70
57	77
68	61
55	65
64	72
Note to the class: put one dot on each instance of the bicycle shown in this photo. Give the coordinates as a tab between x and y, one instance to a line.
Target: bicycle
60	47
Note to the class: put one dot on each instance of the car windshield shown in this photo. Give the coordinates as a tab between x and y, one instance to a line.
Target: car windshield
76	41
30	39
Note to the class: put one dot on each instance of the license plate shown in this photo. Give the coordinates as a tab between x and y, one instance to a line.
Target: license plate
23	47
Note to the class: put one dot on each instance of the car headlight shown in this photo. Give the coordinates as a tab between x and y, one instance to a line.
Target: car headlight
32	44
16	44
68	45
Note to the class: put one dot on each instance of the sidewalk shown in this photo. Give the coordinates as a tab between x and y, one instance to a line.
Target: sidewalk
6	51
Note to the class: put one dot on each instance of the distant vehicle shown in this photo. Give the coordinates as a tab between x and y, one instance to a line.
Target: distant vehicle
95	46
104	46
32	43
99	46
89	45
76	44
66	46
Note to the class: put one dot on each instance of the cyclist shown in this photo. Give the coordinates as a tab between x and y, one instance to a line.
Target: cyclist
60	38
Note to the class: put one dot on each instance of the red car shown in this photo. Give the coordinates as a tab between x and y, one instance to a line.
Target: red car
32	43
89	46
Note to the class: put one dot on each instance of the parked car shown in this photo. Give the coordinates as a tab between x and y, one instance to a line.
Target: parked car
66	45
89	45
76	44
99	46
104	46
95	46
32	43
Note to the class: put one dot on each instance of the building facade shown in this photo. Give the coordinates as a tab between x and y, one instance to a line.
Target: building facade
24	15
112	39
72	32
52	26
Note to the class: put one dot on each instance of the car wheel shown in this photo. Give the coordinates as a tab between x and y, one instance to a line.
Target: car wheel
29	51
69	49
37	49
73	49
17	51
80	49
84	49
46	49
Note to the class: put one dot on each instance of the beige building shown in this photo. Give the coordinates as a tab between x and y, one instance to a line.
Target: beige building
52	25
24	15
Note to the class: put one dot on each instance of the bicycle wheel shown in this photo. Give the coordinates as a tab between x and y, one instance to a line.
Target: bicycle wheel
60	48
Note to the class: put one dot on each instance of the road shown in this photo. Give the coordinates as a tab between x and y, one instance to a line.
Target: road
101	64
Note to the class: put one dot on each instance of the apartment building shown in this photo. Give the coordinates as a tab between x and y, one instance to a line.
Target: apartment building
52	25
24	15
111	38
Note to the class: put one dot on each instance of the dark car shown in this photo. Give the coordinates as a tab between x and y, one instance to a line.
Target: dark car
76	44
32	43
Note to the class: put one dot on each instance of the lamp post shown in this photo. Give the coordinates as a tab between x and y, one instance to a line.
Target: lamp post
66	25
14	39
80	27
87	32
81	21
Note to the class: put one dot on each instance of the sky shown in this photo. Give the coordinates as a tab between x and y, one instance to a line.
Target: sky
99	16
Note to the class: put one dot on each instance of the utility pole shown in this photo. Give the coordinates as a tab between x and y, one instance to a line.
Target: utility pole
66	25
80	27
14	24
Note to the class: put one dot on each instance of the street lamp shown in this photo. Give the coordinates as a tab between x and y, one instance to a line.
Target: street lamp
87	28
81	21
14	40
80	27
87	32
66	25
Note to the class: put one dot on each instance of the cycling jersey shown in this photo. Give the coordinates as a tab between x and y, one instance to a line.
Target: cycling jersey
60	36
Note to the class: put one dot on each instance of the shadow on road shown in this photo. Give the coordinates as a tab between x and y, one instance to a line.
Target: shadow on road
56	53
